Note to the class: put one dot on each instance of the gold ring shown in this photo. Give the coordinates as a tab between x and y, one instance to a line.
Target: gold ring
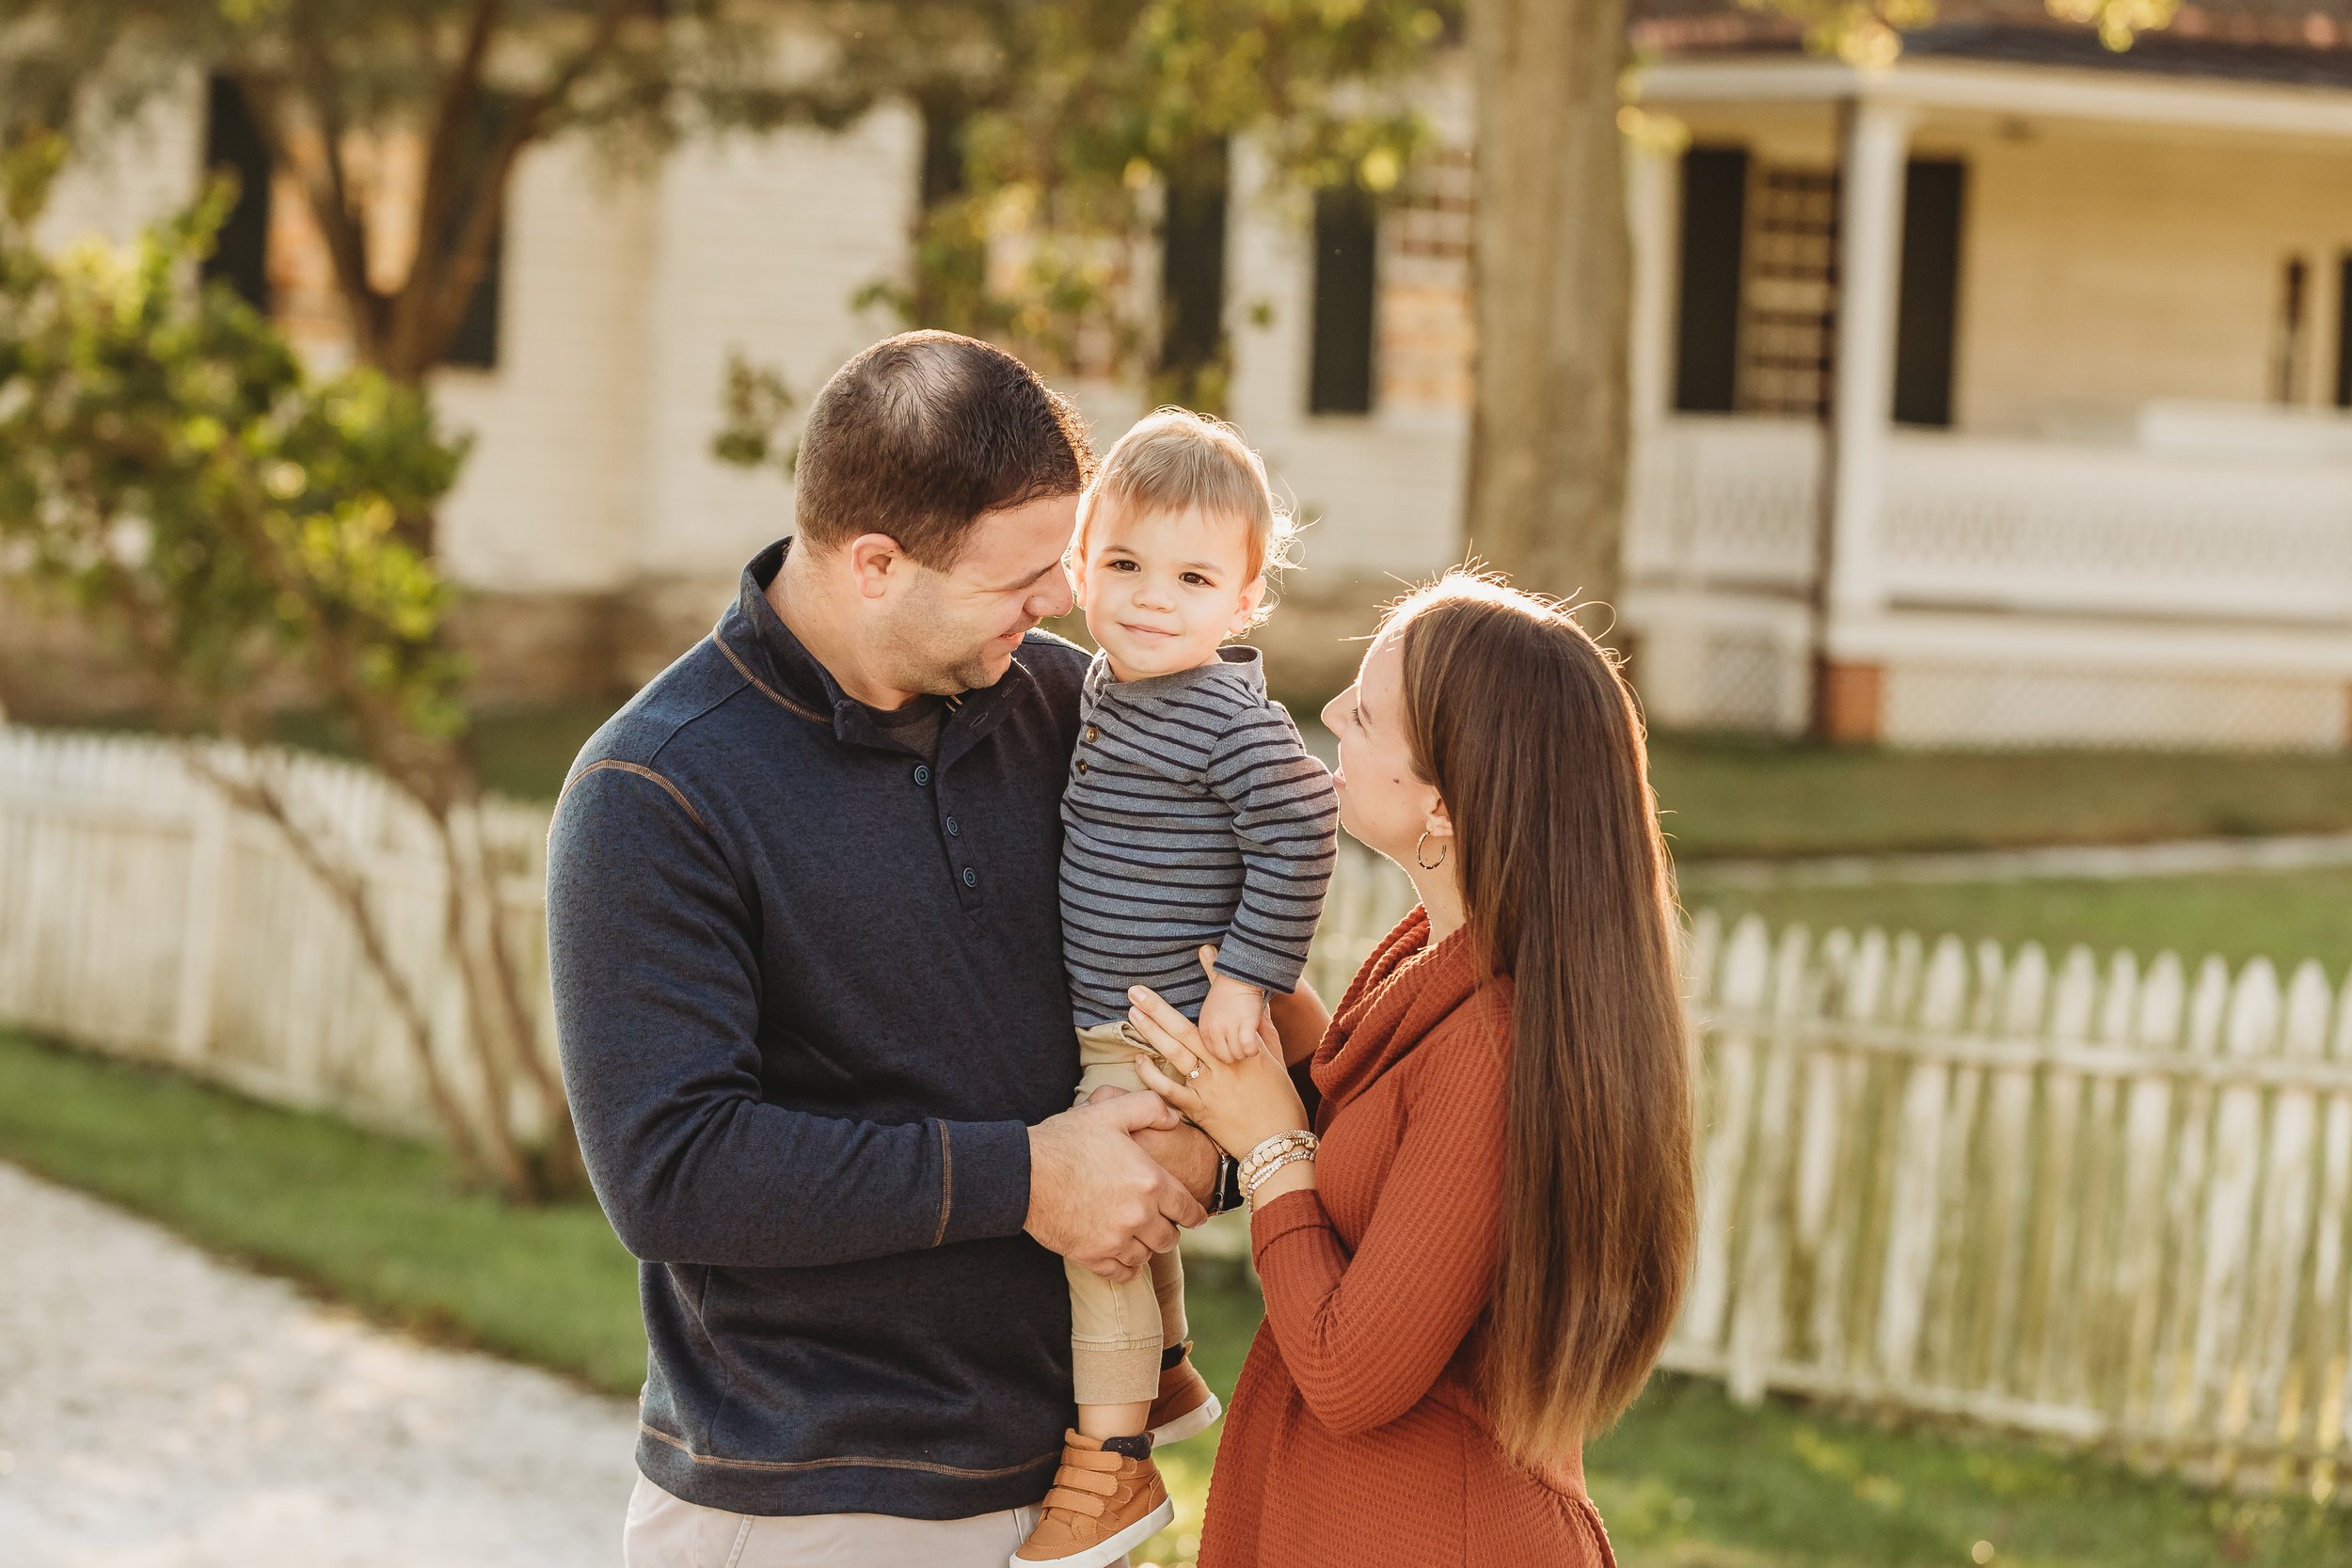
1194	1073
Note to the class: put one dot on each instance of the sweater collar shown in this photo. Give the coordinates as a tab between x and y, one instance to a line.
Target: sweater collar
1404	990
1236	662
765	652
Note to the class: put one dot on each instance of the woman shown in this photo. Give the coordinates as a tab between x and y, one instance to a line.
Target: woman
1476	1265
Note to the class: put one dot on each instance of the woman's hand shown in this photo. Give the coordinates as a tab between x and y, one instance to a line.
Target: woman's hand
1240	1104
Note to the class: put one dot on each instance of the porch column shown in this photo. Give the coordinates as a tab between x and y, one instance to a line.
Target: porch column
1652	172
1875	140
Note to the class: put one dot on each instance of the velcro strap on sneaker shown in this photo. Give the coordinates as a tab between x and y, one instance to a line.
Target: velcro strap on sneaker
1074	1502
1085	1481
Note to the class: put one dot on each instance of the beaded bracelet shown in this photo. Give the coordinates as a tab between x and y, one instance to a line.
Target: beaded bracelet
1265	1172
1298	1138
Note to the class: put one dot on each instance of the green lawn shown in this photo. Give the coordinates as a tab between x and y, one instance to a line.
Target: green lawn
2286	916
1727	798
1688	1481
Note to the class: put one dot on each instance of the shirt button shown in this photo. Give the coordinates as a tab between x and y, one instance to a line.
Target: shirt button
922	773
1081	765
953	828
971	878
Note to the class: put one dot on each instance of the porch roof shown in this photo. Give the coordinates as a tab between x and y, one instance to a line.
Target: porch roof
1985	58
2245	40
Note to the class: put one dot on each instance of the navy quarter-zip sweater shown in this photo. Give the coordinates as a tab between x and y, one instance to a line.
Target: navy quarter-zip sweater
809	997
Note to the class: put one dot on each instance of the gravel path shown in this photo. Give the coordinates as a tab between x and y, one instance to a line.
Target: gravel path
161	1409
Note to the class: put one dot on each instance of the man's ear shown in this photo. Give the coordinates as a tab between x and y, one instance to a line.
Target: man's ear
1251	597
875	561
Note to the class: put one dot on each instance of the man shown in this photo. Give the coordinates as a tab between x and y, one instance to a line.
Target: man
809	991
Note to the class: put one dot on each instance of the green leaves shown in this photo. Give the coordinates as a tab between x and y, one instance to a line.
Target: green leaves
1082	113
168	467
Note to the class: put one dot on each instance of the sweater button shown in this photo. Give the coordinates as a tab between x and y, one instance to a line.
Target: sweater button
971	878
953	828
1081	765
1093	734
922	774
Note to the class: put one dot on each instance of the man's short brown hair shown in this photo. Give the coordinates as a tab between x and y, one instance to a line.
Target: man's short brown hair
921	434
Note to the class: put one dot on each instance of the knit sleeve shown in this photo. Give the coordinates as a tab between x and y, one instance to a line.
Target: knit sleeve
1286	820
1366	1337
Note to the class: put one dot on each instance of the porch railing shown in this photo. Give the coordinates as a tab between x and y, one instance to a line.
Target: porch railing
1982	522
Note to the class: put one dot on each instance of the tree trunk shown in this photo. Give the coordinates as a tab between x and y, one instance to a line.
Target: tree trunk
1549	429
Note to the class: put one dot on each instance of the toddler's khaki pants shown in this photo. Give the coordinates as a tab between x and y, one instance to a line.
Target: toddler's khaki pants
1117	1332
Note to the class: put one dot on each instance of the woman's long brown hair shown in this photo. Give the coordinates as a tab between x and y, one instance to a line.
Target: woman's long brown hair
1528	730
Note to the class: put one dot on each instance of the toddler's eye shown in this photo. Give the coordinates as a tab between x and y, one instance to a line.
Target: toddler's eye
1198	580
1120	566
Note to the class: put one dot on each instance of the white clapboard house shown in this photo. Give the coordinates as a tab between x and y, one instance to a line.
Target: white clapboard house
1993	397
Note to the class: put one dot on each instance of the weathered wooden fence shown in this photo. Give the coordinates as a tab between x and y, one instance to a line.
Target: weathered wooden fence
2107	1201
139	914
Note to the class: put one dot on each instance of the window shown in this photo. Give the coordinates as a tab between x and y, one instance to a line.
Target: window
1928	303
232	142
1346	240
1714	219
1788	292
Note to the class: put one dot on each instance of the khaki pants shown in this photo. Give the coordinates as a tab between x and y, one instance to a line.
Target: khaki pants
664	1531
1117	1332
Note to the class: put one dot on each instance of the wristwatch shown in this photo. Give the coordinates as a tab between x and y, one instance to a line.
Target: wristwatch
1226	1194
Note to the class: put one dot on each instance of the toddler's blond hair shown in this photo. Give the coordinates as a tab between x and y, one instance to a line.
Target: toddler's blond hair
1174	460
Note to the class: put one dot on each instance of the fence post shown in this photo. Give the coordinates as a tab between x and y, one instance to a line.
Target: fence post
204	913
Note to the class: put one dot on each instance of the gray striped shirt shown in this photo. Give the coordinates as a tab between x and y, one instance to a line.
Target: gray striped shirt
1193	814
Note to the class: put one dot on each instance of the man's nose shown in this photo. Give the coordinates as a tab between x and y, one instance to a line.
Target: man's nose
1053	597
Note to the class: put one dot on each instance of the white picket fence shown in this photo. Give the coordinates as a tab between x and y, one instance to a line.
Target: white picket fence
2108	1202
140	915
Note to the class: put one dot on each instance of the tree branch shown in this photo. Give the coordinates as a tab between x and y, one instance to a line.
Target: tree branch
428	318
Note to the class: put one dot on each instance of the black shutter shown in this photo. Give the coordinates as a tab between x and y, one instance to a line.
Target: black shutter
2344	332
476	343
240	255
1346	243
1927	312
1714	220
1192	262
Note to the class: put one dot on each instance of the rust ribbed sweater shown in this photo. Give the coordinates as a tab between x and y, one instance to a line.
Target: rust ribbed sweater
1354	1438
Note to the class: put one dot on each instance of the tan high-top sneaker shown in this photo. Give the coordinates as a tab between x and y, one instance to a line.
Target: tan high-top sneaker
1102	1507
1185	1404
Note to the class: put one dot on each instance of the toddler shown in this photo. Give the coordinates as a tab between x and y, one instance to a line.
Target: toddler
1194	817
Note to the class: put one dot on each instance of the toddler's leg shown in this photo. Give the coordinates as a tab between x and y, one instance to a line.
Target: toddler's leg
1168	1288
1116	1332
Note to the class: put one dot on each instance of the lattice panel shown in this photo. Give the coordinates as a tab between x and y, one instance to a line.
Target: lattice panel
2001	707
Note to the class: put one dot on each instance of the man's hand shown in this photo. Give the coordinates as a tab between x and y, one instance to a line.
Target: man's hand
1096	1196
1184	1152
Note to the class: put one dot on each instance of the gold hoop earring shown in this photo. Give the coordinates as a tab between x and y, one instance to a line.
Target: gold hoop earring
1419	844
